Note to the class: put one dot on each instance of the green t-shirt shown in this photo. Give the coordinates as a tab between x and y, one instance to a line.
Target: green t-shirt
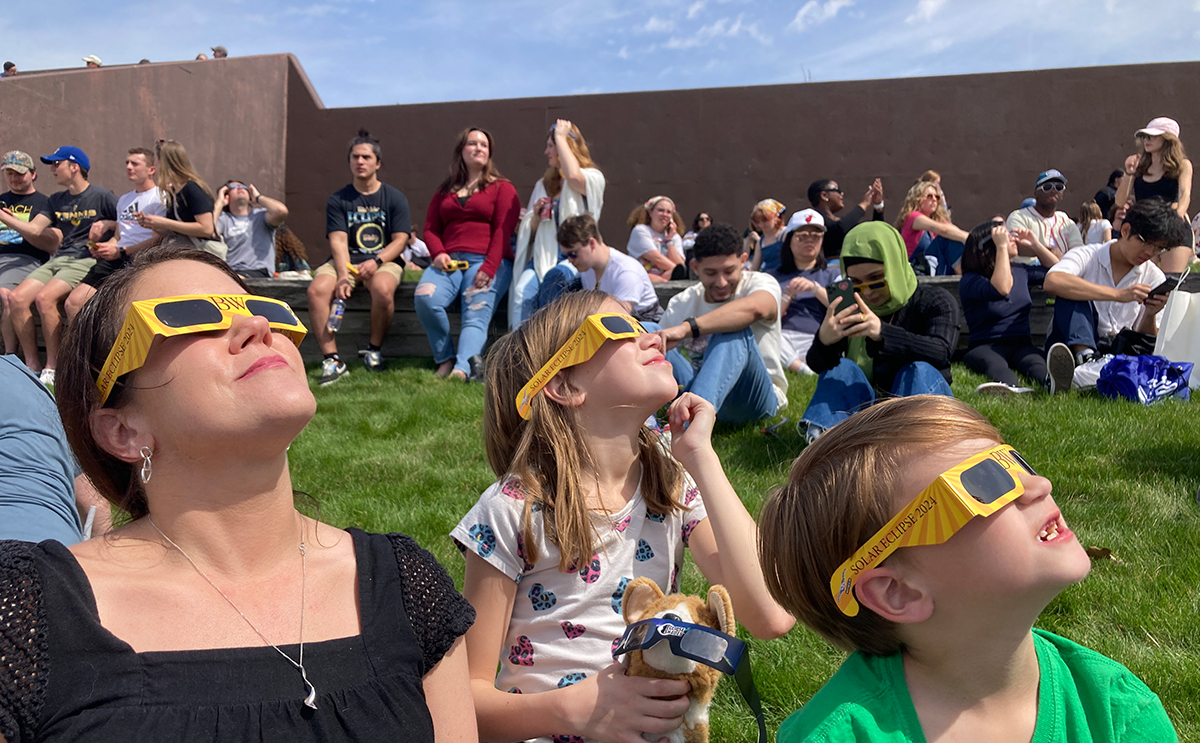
1083	697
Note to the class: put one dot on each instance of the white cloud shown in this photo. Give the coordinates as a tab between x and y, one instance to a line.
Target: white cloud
624	53
695	8
925	11
656	25
720	29
814	13
316	11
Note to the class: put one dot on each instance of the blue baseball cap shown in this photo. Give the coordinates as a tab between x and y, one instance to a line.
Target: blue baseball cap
1050	175
75	155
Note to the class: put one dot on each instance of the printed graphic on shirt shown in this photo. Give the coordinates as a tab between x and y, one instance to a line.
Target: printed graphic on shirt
23	212
367	226
76	217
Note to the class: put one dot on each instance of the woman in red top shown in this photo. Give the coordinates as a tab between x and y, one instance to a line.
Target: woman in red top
470	220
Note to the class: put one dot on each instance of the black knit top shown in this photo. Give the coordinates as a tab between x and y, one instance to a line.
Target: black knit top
64	677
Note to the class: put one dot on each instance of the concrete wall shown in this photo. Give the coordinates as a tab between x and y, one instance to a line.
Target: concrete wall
719	149
230	115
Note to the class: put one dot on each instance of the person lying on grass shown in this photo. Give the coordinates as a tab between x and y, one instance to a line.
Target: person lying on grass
910	535
587	499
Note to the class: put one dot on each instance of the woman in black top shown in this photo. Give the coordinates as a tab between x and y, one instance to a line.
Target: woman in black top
1160	170
219	613
188	200
995	298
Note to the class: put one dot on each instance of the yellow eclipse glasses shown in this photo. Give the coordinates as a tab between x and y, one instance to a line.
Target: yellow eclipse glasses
583	345
979	486
190	313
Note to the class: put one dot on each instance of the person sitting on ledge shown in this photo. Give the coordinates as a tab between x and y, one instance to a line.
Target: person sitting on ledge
611	271
1104	303
655	241
897	340
729	324
802	275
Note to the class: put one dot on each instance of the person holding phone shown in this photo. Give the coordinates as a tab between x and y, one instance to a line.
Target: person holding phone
896	339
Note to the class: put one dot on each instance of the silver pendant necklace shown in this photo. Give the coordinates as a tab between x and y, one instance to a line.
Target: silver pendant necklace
310	700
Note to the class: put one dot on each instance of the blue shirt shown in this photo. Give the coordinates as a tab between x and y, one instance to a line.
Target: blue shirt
805	313
37	470
990	316
770	255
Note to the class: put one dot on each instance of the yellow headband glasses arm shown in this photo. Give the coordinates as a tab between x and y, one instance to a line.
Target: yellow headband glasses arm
979	486
190	313
579	348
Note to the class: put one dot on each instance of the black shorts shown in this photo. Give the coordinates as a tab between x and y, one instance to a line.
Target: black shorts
102	270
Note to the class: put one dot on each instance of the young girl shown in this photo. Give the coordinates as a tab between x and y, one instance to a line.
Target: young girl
764	243
587	500
1092	224
1160	170
654	239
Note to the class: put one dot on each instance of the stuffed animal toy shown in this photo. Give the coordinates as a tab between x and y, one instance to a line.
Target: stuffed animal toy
644	600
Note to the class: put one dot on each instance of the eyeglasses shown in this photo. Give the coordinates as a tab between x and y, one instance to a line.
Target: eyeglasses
832	190
583	345
808	235
979	486
701	644
1148	244
872	285
1052	186
189	313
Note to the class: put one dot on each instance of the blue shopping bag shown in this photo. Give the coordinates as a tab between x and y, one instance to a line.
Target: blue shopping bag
1144	379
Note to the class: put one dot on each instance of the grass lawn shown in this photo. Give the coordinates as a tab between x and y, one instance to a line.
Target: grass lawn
402	451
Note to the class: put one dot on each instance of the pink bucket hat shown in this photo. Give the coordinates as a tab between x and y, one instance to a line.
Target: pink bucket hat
1161	125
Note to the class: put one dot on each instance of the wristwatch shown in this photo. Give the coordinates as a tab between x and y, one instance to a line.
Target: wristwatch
122	253
378	262
695	326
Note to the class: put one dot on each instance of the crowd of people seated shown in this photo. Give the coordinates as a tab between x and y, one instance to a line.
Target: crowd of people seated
177	393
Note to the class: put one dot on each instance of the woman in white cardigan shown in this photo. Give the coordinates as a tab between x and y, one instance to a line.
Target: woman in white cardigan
572	185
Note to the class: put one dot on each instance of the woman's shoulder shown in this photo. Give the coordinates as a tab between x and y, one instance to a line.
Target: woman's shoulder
23	641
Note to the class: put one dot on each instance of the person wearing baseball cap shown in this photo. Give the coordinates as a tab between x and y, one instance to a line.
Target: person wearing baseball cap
1043	232
92	61
1160	170
25	243
803	274
219	52
73	211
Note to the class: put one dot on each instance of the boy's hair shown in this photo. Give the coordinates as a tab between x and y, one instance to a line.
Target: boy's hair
841	490
364	137
577	230
145	152
1155	221
546	455
718	239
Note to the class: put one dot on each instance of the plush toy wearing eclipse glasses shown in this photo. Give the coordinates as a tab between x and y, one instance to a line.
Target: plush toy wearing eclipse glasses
682	637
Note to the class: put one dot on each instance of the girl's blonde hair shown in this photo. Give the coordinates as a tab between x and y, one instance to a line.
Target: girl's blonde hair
840	492
1172	157
546	456
553	179
913	200
175	169
1089	212
641	215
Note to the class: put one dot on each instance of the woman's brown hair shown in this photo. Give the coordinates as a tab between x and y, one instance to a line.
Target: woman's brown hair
86	345
459	176
546	455
1172	157
840	492
553	179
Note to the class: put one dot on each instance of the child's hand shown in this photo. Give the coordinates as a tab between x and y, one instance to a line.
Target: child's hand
612	707
692	418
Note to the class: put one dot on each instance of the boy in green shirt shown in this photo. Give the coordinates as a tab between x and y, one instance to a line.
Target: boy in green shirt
943	638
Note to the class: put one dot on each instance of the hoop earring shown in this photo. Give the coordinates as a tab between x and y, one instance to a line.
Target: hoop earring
147	467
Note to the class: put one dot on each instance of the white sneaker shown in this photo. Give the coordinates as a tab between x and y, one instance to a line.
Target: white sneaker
1061	363
1000	389
331	371
46	377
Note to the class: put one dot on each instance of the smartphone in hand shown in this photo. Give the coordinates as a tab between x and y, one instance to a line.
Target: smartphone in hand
843	288
1169	285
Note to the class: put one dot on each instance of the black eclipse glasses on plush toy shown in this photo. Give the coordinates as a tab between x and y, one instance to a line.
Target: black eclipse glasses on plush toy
701	644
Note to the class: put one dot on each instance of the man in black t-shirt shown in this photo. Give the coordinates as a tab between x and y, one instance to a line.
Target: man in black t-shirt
827	198
367	223
25	243
74	209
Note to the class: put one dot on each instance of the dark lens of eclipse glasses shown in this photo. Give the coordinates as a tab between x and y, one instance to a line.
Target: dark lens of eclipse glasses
187	312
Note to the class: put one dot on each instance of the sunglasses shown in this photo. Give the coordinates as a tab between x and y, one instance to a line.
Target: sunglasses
190	313
979	486
703	219
929	196
701	644
583	345
832	190
873	285
808	235
1053	186
235	184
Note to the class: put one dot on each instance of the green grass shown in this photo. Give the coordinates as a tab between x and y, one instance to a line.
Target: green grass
402	451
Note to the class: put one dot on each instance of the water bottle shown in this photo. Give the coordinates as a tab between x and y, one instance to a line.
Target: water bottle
336	310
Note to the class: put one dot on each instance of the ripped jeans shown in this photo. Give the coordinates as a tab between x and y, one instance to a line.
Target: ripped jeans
439	288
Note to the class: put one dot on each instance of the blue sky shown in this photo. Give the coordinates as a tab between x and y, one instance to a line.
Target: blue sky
373	52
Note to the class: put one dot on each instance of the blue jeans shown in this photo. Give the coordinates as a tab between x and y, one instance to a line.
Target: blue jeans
1074	323
534	294
732	377
477	308
844	390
